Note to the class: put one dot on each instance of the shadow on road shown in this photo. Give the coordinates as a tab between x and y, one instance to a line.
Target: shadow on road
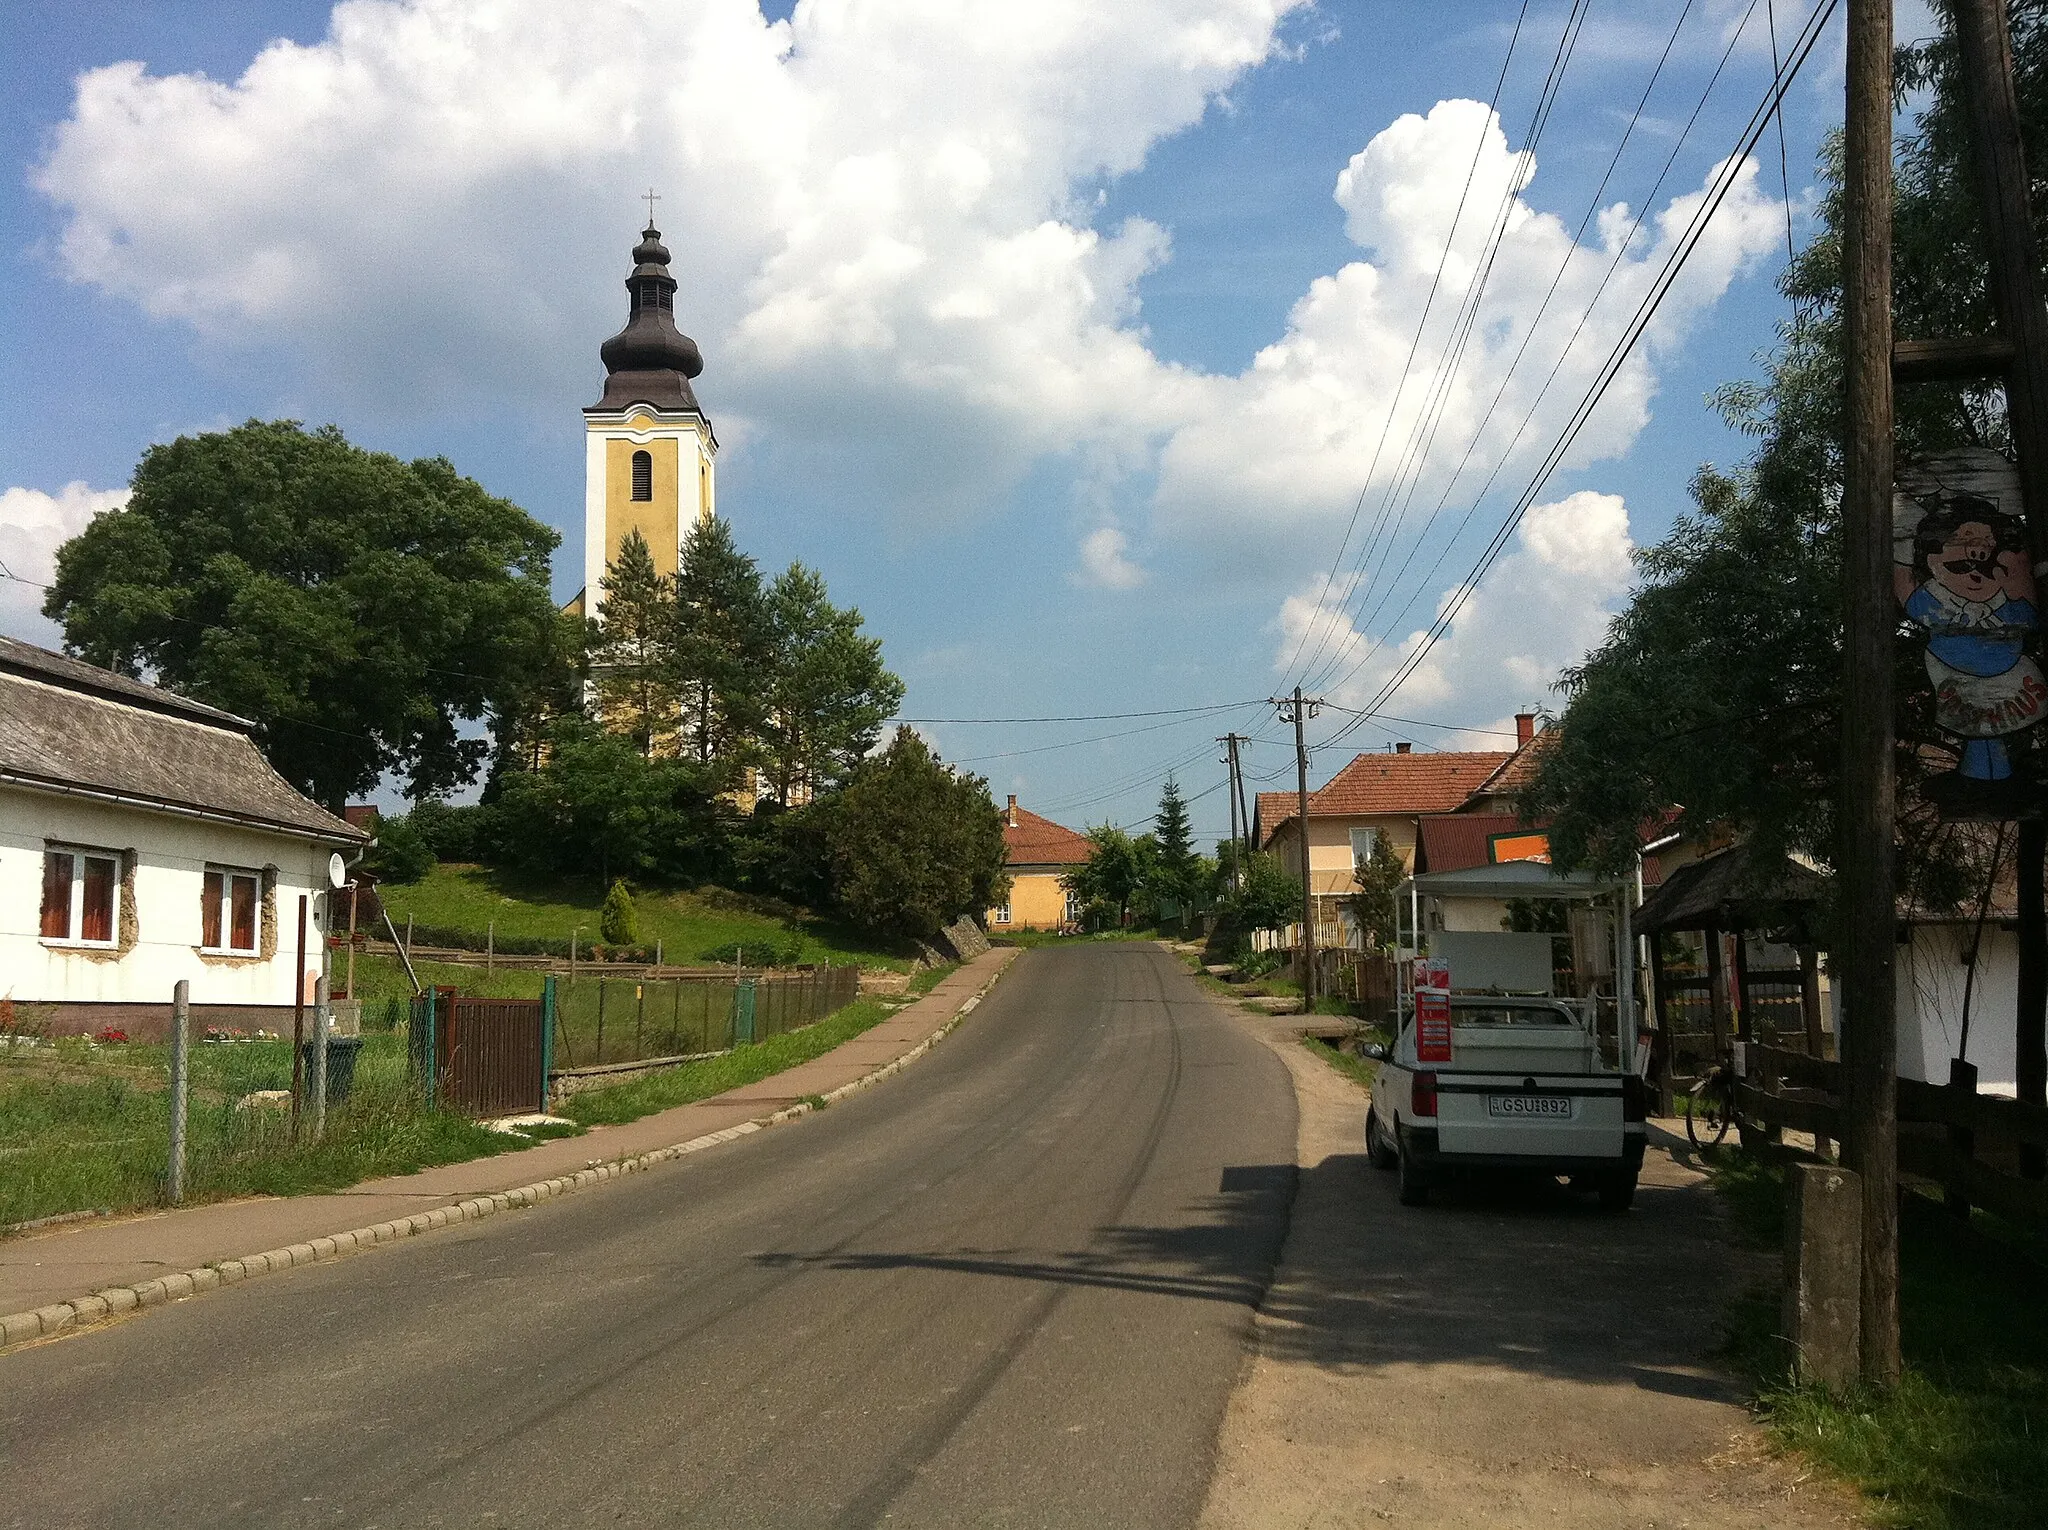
1526	1275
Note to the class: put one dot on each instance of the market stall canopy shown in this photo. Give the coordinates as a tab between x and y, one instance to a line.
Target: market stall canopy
1516	879
1733	890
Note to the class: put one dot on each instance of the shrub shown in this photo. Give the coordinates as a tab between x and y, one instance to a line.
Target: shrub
617	921
401	853
761	953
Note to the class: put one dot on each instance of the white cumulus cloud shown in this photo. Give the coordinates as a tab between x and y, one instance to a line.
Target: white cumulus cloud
33	525
1543	605
1103	562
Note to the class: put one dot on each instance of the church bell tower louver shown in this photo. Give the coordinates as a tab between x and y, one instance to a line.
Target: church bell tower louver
649	448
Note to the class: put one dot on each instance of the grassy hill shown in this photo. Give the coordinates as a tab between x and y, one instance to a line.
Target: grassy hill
691	926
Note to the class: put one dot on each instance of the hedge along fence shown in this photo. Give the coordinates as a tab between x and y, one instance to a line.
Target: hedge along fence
601	1020
766	953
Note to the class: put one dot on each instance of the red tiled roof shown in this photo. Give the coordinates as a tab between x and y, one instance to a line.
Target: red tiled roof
1037	841
1518	769
1405	783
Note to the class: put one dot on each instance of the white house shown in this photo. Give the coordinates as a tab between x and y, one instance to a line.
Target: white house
145	839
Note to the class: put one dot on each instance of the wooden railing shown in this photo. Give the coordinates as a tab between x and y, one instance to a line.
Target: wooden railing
1982	1149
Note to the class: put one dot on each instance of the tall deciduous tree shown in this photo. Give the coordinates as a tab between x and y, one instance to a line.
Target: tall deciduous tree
913	843
722	646
358	608
829	694
1118	868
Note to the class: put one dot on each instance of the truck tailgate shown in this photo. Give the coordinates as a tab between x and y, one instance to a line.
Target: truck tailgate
1523	1117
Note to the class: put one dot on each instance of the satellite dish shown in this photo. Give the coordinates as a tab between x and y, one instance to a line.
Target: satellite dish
337	870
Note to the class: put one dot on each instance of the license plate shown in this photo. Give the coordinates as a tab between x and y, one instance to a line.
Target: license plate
1526	1106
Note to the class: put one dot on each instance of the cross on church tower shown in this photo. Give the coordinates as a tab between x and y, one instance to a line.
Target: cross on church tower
651	200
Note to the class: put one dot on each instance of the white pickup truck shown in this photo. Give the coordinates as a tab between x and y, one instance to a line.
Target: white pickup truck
1489	1071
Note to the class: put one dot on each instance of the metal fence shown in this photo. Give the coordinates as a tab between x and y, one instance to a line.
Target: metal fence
613	1020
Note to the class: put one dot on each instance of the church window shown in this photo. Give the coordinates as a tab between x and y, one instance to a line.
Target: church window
643	475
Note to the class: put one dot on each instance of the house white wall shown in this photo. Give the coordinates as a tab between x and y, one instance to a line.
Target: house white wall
1931	975
170	854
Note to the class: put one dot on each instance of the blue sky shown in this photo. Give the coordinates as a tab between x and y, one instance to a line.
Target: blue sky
1057	344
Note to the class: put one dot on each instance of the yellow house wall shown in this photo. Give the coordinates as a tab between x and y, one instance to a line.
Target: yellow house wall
655	519
1037	902
1329	848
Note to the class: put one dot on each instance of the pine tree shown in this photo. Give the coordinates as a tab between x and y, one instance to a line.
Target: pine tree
1174	875
723	644
618	922
830	692
635	652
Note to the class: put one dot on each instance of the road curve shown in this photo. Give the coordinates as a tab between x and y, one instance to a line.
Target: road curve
1011	1286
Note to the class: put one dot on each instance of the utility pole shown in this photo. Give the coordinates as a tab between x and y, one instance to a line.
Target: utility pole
1298	709
1869	913
1985	48
1240	830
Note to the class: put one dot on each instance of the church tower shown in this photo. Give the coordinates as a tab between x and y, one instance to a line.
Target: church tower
648	445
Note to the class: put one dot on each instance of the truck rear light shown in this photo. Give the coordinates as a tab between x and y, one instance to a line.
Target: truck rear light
1422	1095
1634	1098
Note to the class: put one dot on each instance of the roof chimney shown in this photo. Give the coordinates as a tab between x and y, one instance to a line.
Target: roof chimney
1525	728
1403	747
1012	814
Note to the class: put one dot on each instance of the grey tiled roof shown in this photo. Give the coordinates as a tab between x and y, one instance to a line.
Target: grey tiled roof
68	724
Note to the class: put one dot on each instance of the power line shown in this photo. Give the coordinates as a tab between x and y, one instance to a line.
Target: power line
1802	49
1572	250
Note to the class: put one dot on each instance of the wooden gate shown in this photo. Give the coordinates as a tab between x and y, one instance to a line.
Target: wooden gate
489	1057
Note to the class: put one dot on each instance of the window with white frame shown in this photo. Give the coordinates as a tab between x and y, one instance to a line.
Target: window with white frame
1003	912
229	910
81	899
1362	841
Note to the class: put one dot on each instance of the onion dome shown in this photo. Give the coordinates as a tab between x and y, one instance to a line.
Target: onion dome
650	361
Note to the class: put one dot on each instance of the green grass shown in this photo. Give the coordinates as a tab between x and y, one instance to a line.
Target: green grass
87	1128
1962	1442
1357	1069
383	977
931	977
1033	938
743	1065
688	924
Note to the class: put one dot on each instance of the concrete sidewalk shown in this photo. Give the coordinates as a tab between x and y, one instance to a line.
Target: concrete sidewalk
66	1263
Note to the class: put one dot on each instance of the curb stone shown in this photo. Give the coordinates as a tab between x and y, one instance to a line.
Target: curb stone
19	1328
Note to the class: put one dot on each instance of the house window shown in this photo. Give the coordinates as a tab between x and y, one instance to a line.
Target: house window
228	910
1362	841
643	475
79	897
1003	913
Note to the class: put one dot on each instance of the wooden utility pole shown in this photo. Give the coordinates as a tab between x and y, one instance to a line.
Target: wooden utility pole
1868	908
1984	47
1229	761
1298	709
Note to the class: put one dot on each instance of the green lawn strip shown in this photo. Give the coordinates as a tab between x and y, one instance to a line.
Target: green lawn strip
931	977
1034	938
88	1129
1962	1442
743	1065
689	925
1357	1069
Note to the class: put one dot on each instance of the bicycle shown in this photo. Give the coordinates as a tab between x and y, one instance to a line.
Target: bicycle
1710	1105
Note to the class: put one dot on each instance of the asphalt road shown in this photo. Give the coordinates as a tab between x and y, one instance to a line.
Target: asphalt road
1012	1285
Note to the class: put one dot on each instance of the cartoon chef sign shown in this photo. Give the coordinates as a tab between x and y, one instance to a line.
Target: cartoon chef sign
1961	568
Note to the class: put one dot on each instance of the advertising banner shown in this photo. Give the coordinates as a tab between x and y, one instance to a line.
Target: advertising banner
1432	1011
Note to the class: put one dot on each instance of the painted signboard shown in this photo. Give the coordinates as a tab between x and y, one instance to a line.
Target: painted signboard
1432	1011
1961	570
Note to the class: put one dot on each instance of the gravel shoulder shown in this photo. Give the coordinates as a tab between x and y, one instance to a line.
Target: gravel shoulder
1506	1358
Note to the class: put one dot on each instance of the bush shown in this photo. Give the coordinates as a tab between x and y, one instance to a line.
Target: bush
617	921
761	953
401	853
454	833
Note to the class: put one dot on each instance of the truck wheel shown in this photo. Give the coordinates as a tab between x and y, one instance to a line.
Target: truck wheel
1382	1153
1414	1181
1618	1191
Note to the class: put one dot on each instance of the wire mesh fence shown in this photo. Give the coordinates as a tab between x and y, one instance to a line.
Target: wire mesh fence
615	1020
